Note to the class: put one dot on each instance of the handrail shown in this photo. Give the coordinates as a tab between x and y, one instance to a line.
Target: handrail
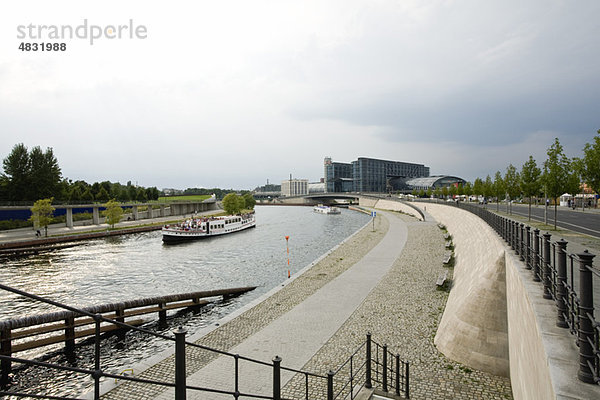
180	376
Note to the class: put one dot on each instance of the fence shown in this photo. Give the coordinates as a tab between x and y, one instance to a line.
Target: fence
390	371
554	268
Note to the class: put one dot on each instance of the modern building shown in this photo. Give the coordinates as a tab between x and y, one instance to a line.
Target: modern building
433	182
370	175
338	176
294	187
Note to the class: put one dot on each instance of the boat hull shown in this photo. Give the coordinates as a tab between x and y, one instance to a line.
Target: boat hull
176	236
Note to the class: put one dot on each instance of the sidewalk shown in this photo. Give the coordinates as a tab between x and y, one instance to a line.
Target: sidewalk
301	332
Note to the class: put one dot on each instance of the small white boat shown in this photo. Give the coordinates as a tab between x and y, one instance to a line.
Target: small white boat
326	209
199	228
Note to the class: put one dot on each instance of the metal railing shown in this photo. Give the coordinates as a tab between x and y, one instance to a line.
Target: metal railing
571	292
360	372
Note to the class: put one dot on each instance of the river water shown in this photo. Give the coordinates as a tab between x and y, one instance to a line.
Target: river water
139	265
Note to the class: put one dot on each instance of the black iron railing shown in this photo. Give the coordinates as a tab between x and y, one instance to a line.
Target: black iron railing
359	371
571	292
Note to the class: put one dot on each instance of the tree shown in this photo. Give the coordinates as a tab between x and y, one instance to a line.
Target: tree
557	173
141	195
590	164
468	189
233	204
512	186
488	188
75	194
87	196
113	212
530	181
478	187
16	172
249	201
499	188
102	194
429	192
41	213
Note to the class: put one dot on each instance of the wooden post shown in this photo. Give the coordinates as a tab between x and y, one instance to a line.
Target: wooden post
120	315
5	350
70	335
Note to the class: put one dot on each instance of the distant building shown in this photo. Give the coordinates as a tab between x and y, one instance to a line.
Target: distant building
370	175
294	187
316	187
433	182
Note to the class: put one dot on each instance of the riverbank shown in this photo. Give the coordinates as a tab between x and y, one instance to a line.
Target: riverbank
402	310
16	239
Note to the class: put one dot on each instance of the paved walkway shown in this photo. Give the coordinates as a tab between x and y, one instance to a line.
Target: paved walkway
301	332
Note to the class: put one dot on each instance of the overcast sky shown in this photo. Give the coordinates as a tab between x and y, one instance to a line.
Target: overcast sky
232	93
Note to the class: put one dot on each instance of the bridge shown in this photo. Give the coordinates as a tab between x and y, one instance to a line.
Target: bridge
150	210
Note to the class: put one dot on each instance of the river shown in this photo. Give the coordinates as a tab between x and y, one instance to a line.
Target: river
139	265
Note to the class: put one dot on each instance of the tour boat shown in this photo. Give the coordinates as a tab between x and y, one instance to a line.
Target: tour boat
198	228
326	209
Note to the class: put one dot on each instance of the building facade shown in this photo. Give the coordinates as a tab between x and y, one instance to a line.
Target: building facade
370	175
294	187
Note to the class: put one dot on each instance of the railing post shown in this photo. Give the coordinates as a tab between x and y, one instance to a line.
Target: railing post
407	381
561	290
521	243
546	267
385	369
368	383
512	234
536	255
585	336
5	350
397	374
277	378
528	247
97	371
180	376
330	375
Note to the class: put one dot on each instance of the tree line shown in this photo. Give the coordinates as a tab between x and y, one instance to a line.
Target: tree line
29	175
558	174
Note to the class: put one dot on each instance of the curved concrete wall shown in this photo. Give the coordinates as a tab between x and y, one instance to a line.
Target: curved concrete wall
473	329
544	359
397	206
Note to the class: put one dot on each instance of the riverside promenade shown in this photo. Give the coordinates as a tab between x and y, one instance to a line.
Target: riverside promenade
382	282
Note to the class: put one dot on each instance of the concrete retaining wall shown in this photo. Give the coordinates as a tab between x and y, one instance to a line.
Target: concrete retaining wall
397	206
543	359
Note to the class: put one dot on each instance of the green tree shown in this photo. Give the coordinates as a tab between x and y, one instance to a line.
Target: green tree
102	194
590	164
75	194
141	195
249	201
488	188
512	185
429	192
557	175
468	189
478	187
41	213
499	189
530	181
233	204
87	196
113	212
16	172
452	191
445	192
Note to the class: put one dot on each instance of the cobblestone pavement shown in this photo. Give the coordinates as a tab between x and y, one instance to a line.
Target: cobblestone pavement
237	330
404	311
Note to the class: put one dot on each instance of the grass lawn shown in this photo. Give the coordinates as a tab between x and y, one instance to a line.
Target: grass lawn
193	197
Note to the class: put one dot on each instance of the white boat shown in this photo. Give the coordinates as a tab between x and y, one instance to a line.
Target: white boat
199	228
326	209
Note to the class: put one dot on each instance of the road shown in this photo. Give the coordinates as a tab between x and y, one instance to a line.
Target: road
586	222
